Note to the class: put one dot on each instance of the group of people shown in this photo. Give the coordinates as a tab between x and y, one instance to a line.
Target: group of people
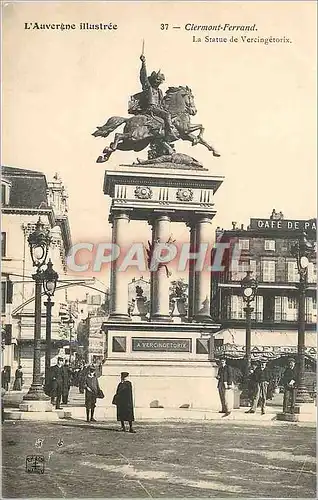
258	385
59	385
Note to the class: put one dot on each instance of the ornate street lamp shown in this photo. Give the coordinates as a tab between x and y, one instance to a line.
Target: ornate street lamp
249	289
39	242
71	324
50	278
301	251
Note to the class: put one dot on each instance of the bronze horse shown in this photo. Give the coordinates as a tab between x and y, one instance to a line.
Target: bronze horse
142	130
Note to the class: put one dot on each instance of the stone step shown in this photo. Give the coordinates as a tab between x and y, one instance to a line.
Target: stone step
44	416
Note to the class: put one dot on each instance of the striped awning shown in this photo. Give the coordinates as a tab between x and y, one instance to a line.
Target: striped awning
269	344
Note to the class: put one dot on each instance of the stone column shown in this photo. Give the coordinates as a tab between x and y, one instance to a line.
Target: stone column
202	279
191	225
160	282
118	281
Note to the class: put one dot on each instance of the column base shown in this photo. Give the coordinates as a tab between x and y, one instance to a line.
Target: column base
119	317
245	401
302	396
36	393
287	417
161	318
204	318
37	406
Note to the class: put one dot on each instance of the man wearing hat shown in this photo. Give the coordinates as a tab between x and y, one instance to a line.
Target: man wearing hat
57	382
225	380
289	383
261	379
153	96
123	399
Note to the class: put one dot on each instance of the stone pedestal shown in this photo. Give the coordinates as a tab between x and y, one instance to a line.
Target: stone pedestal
168	356
304	412
36	406
168	363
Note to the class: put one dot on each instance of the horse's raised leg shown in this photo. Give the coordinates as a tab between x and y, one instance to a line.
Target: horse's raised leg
199	140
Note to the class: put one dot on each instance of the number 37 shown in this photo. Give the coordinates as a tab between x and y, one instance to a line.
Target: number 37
164	26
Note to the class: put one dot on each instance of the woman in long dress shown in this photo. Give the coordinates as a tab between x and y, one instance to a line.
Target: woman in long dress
18	381
123	399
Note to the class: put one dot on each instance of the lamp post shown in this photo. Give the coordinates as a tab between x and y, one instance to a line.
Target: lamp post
301	251
39	241
248	288
50	278
71	324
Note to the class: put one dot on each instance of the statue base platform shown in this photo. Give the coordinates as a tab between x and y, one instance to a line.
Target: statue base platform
169	364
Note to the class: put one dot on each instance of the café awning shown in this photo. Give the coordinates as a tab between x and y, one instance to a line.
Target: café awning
264	343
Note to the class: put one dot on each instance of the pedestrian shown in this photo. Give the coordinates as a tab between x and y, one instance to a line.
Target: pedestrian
57	383
66	381
5	378
3	391
82	376
123	399
289	383
251	386
225	379
18	380
261	380
92	391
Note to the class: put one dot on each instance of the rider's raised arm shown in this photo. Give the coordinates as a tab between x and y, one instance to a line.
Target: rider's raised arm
143	74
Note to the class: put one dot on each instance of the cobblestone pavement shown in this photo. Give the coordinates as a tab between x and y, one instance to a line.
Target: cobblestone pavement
197	459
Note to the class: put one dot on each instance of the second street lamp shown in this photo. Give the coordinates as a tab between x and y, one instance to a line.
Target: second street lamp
249	289
39	242
302	250
50	278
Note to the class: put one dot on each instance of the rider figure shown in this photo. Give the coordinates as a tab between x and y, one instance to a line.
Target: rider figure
154	97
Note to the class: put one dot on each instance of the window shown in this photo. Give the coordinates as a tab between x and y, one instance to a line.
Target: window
292	272
237	306
244	244
3	244
239	269
270	245
269	267
5	193
292	303
257	314
3	297
311	309
312	272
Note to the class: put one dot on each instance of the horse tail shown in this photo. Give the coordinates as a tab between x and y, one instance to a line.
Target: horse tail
109	126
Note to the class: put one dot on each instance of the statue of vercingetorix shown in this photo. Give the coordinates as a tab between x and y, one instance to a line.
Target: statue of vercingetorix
159	120
153	96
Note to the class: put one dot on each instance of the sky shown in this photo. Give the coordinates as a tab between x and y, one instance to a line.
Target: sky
256	102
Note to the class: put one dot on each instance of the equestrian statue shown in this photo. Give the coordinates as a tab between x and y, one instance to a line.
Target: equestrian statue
158	120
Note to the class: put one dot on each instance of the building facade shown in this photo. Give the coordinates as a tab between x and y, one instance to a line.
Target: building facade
265	248
26	196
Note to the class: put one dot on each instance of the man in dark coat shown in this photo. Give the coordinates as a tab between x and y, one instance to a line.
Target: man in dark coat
123	399
66	381
57	382
261	379
289	383
225	380
92	390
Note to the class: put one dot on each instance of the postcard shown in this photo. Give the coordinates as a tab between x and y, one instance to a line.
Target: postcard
158	249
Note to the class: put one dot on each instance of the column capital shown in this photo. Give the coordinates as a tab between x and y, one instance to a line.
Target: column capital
158	217
118	215
203	219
